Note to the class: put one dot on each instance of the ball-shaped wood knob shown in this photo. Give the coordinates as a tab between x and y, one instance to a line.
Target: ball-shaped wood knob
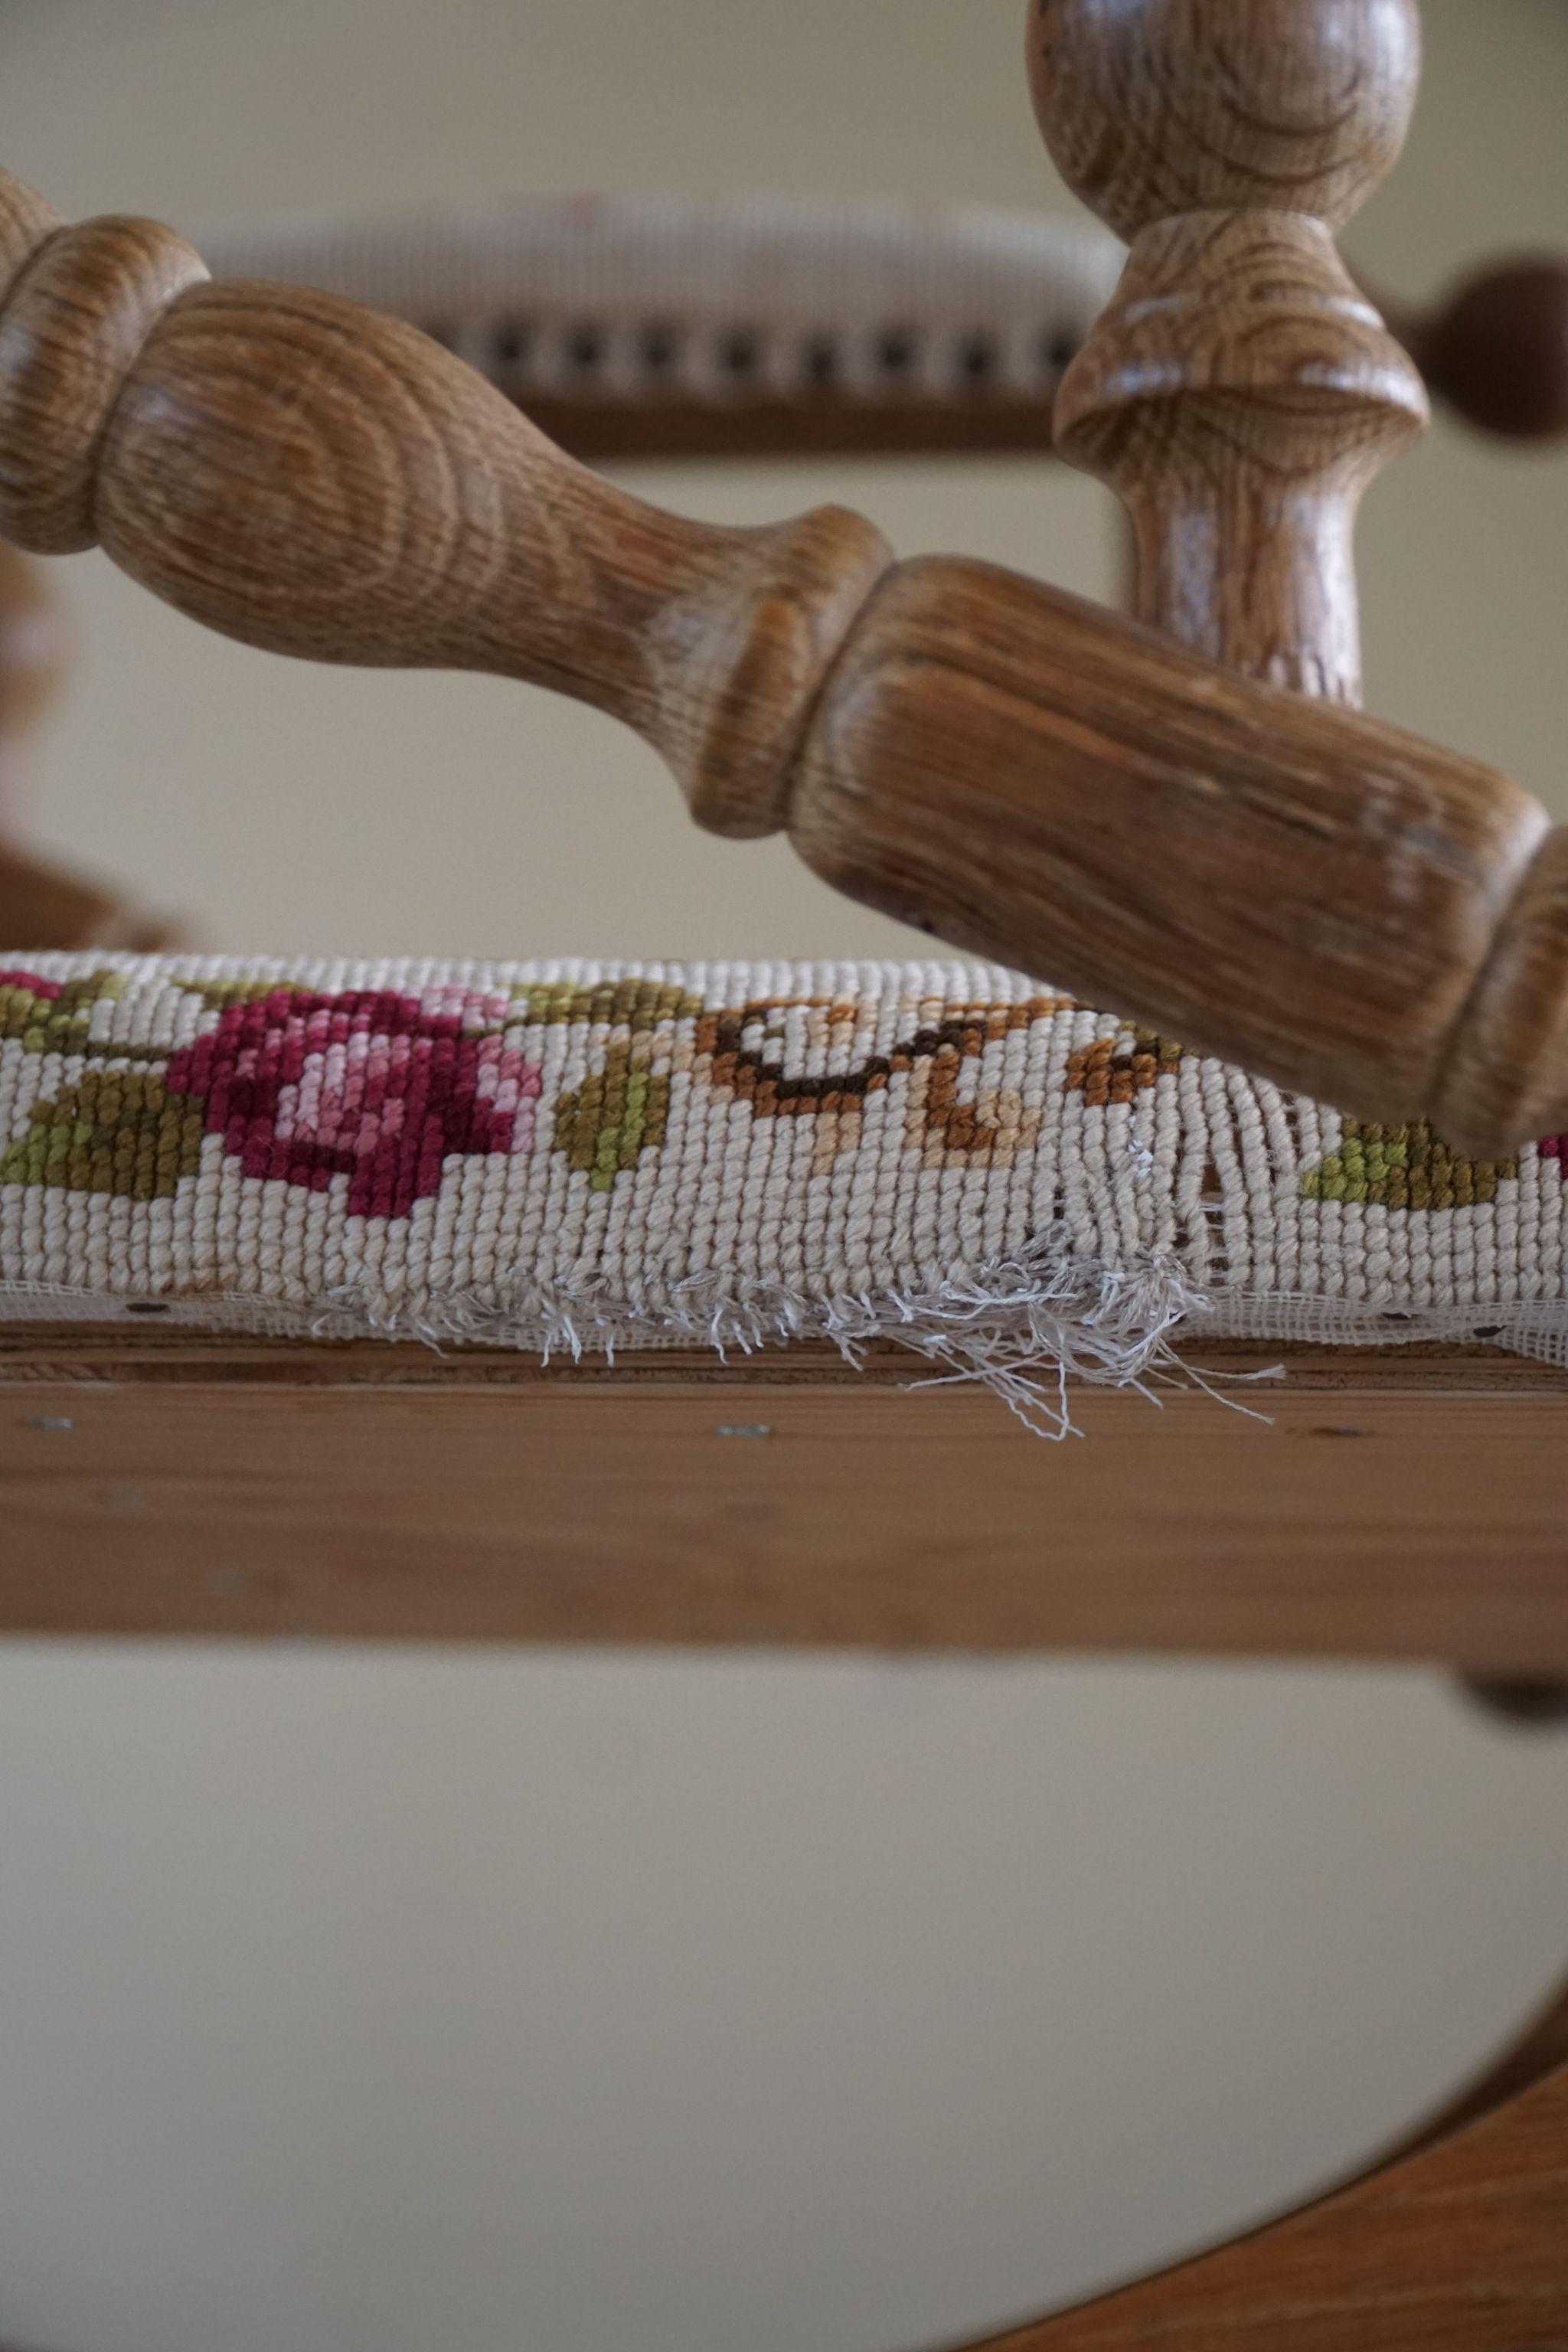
1156	107
74	324
1497	350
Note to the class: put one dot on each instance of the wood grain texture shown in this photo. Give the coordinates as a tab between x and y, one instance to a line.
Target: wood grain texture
1152	829
1135	824
301	474
1462	2249
1239	393
1240	398
247	1487
75	323
1508	1067
1153	108
1403	1504
325	483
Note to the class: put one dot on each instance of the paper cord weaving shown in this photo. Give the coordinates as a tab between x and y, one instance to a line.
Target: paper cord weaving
580	1155
645	297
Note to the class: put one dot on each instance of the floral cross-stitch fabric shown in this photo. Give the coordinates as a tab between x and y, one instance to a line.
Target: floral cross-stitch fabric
582	1154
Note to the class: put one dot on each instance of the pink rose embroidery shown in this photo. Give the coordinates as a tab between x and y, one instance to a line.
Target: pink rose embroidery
380	1088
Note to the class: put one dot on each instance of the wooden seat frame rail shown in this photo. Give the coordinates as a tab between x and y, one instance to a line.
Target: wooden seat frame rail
1344	909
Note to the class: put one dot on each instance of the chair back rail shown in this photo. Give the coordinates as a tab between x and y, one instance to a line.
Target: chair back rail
634	326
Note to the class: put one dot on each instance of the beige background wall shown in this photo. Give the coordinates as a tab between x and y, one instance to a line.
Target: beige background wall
371	2002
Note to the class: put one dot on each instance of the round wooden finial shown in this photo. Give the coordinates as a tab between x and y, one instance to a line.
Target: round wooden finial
1498	349
1155	107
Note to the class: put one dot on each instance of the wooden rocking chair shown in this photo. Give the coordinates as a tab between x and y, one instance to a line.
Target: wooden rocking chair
1182	817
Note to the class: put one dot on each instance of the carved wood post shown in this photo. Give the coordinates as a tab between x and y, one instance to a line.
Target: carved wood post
1240	393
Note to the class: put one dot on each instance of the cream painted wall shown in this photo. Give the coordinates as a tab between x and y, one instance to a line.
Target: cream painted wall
353	2002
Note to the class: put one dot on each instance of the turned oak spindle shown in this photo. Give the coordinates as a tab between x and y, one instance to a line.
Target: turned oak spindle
1274	879
1240	393
311	477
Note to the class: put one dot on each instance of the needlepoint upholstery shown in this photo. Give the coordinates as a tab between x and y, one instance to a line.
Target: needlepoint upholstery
580	1155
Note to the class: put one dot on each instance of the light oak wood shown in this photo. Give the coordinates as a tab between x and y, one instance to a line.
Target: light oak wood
303	474
1239	393
1410	1510
1241	399
1002	764
1107	791
315	479
155	1480
1462	2249
404	513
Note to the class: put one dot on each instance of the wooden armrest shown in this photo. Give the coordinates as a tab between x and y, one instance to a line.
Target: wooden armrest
1326	900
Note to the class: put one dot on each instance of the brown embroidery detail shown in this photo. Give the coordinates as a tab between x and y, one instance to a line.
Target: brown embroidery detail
1116	1069
773	1093
605	1123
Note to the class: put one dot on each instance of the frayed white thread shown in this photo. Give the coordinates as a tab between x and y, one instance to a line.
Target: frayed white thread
1026	1329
